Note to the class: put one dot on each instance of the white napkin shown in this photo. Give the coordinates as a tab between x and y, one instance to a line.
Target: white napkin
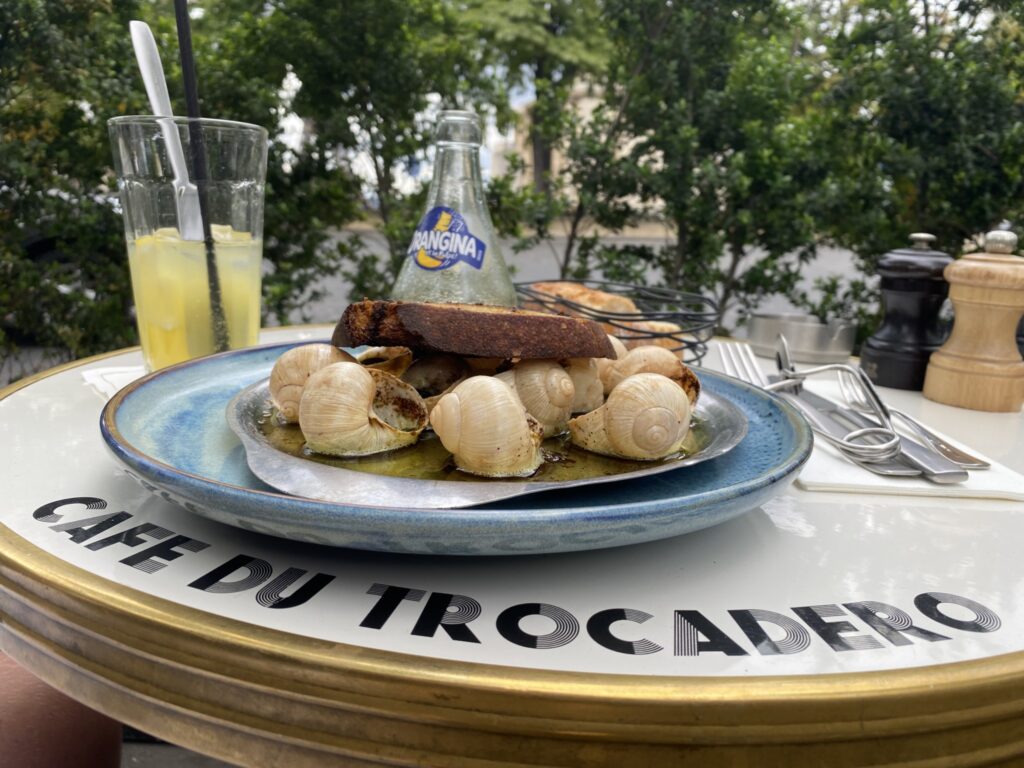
108	380
827	470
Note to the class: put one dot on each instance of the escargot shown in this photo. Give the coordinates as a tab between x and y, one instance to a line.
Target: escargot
292	370
652	359
546	390
349	410
486	428
646	417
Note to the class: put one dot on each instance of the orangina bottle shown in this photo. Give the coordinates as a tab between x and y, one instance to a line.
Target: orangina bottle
454	256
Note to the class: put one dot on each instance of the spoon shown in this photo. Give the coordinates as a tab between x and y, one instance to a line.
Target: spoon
186	197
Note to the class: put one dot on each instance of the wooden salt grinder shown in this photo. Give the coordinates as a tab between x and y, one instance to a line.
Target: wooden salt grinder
979	366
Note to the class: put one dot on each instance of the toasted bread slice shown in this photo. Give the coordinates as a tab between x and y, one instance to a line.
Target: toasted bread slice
473	330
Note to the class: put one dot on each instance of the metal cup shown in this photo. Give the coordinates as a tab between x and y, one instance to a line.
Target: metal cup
810	340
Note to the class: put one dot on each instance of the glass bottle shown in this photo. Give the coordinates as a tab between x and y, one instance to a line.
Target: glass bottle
454	255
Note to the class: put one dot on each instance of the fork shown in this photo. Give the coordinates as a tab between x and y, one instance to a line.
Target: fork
934	466
738	361
853	398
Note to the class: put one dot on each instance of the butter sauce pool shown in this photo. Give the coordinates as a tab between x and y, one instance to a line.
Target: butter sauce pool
429	460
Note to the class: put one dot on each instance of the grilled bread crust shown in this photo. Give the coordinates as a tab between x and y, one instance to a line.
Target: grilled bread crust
473	330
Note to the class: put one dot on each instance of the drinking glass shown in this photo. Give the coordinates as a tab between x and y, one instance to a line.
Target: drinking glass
178	296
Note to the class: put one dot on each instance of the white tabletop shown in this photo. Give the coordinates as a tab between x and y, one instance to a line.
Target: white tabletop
811	583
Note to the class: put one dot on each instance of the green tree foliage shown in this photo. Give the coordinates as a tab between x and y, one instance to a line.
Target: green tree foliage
549	48
63	279
923	129
926	102
702	125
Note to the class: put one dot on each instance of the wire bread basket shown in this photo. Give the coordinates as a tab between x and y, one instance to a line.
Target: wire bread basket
636	314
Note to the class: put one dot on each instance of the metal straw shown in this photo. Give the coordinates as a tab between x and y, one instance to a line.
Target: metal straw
200	176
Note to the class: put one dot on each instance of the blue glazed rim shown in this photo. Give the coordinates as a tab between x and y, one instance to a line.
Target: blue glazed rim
531	513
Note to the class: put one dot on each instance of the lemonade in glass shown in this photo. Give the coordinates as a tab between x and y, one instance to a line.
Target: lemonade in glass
172	300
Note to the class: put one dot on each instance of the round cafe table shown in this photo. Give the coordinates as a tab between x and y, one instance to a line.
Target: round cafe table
823	628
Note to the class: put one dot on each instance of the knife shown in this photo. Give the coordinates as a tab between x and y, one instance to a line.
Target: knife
933	465
824	424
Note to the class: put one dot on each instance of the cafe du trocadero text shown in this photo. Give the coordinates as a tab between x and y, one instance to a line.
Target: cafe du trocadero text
855	623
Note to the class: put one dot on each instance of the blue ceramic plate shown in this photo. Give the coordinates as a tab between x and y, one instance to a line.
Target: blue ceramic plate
169	429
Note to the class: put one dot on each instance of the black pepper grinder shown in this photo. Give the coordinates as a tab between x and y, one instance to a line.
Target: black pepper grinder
913	290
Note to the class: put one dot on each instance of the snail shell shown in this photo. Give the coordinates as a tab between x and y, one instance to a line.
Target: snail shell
652	359
293	369
604	364
545	389
393	360
646	417
585	379
486	428
349	410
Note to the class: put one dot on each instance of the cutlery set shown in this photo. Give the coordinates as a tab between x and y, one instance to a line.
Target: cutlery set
863	428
